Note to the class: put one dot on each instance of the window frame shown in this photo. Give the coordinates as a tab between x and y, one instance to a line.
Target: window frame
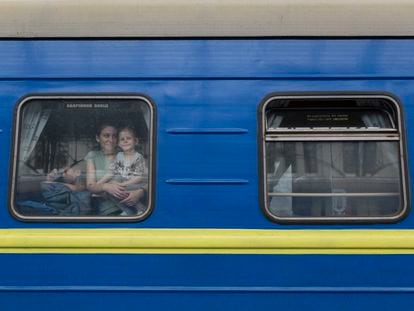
400	131
17	123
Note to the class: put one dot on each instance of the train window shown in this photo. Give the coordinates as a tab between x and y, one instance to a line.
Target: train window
81	158
333	159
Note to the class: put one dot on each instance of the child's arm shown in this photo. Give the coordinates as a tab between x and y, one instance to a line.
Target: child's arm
53	175
133	180
79	185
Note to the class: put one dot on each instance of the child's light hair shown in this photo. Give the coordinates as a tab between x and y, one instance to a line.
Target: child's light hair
129	129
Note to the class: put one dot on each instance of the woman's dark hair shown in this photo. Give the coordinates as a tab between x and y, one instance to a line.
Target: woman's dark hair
103	125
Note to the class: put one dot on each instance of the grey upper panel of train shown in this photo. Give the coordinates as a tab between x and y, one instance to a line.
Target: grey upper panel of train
205	18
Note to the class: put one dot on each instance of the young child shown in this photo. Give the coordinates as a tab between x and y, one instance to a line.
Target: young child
128	169
69	177
64	192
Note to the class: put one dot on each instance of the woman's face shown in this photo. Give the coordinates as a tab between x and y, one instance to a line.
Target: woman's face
107	139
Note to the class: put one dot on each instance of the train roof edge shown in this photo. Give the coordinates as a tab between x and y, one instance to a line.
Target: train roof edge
204	18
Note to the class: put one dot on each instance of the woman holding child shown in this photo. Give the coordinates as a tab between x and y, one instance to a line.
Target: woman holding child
117	187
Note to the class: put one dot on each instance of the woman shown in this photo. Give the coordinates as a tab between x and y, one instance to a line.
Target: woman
97	164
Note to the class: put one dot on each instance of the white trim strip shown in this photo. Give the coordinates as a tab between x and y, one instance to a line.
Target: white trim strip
205	18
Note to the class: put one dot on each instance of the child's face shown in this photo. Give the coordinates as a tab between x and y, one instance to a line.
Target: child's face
70	175
127	141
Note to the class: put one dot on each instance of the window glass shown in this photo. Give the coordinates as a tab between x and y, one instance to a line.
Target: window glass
83	158
329	159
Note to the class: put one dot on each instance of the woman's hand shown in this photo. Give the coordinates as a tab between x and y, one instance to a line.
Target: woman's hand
115	190
133	197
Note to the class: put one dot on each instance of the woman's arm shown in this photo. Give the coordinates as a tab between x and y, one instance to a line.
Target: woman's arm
91	183
93	186
132	181
107	177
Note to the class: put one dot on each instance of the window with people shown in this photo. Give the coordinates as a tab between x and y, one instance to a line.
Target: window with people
333	158
80	158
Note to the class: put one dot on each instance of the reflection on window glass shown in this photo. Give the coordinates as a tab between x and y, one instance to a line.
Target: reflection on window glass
333	159
80	157
330	190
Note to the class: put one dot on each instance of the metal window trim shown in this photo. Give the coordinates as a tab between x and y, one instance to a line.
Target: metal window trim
82	219
390	118
397	107
335	138
332	194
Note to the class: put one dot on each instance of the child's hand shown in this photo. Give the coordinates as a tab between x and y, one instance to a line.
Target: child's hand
53	175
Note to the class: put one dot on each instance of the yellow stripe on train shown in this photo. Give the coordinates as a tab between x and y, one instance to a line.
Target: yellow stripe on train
206	241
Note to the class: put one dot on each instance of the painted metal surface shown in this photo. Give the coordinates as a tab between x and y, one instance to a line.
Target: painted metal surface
289	59
214	96
207	93
242	282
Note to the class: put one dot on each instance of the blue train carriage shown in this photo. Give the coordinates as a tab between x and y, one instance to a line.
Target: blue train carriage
201	155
